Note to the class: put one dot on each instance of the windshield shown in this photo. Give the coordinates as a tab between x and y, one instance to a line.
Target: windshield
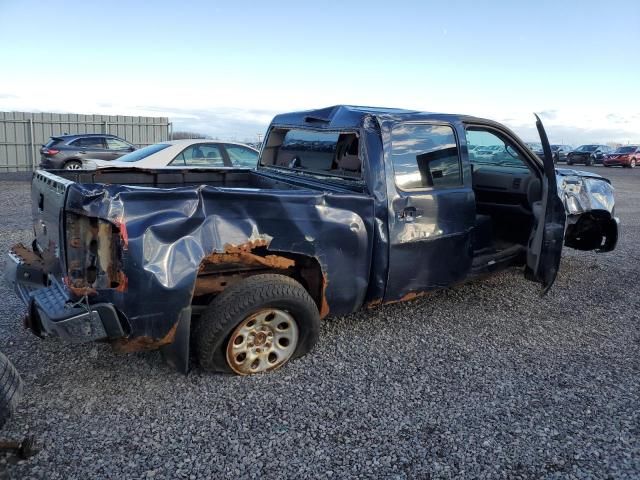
143	152
586	148
626	149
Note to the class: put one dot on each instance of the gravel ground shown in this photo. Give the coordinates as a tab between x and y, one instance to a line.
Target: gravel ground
486	380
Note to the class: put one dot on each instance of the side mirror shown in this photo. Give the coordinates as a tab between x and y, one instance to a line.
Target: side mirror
132	148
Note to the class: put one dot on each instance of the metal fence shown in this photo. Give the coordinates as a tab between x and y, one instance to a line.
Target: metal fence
22	133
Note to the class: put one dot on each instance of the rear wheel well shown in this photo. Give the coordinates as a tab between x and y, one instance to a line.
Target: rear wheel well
218	271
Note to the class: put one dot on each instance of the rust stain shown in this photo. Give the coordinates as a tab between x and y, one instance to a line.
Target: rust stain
144	343
244	254
122	228
408	297
324	305
206	284
123	282
79	287
28	256
374	303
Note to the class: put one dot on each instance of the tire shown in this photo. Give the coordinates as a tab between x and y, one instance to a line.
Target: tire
589	162
10	389
229	315
73	165
632	163
569	162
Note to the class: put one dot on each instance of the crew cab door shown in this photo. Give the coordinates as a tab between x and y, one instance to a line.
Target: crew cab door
431	208
547	236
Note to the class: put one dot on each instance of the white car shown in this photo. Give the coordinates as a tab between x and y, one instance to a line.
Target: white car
183	154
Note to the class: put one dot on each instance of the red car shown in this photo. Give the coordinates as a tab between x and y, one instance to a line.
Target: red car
627	156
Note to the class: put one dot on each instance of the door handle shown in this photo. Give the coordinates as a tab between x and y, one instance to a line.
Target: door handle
82	151
409	214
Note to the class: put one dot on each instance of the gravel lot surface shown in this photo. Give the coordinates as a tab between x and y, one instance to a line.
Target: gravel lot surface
487	380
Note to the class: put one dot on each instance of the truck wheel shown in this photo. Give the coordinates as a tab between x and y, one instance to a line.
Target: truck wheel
257	325
10	389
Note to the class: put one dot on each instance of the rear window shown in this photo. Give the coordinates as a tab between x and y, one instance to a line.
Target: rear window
52	141
334	153
143	152
242	156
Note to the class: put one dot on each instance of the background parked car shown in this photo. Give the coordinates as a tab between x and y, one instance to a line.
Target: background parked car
558	151
588	154
184	153
68	151
627	156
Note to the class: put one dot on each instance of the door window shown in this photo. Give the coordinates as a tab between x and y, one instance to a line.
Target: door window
200	155
115	144
491	149
242	156
425	156
94	143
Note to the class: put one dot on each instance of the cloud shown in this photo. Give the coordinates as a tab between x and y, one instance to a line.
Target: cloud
548	114
223	123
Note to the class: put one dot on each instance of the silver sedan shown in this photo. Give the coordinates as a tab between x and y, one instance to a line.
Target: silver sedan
184	154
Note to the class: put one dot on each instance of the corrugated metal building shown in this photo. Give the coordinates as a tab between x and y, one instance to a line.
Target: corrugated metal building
22	133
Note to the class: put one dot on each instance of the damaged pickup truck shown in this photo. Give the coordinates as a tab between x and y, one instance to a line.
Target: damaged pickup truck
349	207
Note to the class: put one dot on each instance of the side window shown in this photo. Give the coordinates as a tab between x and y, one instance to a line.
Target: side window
89	142
493	149
242	156
425	156
115	144
199	155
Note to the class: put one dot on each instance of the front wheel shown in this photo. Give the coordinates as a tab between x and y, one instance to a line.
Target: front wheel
257	325
632	164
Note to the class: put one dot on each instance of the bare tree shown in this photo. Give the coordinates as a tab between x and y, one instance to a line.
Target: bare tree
188	135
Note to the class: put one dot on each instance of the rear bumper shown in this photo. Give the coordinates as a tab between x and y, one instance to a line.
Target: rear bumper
47	163
50	309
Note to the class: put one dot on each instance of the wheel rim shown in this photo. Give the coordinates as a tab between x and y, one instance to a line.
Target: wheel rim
72	166
263	341
633	163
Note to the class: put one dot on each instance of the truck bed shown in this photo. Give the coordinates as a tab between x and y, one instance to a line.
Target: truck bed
175	178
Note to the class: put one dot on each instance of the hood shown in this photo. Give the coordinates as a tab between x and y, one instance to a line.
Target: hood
566	172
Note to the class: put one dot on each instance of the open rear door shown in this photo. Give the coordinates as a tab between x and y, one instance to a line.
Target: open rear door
547	236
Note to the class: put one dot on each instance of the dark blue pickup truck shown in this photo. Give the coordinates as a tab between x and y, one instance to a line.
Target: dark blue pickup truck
349	207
